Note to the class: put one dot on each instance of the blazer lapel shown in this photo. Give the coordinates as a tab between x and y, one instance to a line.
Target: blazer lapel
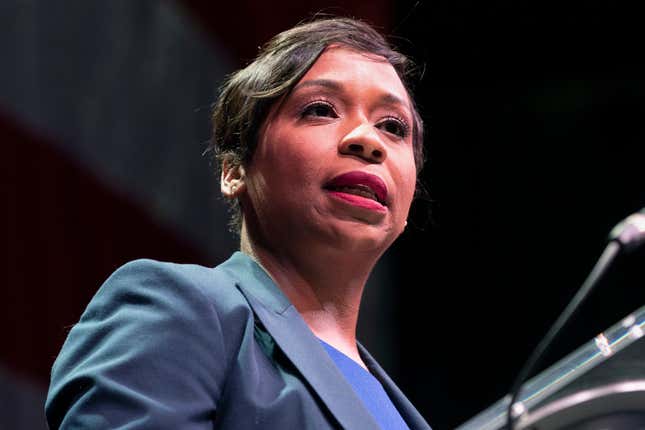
290	332
410	415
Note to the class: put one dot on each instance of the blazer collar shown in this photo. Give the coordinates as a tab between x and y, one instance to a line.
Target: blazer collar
299	344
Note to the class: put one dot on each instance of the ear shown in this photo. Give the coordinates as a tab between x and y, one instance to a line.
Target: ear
233	180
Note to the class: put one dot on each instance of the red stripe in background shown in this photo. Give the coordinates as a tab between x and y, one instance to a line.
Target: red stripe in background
63	233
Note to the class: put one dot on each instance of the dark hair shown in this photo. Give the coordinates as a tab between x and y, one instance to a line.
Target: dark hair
248	94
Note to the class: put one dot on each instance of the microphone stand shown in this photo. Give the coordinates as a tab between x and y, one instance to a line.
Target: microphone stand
626	236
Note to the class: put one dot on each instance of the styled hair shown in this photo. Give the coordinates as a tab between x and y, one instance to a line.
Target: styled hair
247	95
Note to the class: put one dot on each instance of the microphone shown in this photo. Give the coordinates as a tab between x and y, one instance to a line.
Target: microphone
630	232
626	236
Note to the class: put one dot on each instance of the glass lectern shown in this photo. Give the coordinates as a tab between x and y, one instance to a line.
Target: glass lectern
601	385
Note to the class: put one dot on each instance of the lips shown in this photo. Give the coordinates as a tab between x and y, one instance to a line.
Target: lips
361	184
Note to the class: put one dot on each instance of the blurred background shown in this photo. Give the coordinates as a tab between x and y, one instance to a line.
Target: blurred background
534	116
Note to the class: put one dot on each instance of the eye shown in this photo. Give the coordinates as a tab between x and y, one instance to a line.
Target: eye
395	126
319	109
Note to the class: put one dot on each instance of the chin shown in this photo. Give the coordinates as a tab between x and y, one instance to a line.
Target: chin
357	236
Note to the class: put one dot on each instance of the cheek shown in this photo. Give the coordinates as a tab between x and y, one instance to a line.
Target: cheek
287	162
406	181
299	153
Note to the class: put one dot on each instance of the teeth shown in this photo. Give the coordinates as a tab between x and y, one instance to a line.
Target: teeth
359	190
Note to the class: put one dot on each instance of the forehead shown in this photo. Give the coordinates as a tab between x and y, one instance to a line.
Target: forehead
360	69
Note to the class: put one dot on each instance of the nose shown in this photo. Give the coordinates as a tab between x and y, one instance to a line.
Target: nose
364	141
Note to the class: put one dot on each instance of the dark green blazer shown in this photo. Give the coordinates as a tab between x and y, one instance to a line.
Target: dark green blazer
169	346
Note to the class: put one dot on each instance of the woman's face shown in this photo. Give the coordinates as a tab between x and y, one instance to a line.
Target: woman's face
334	164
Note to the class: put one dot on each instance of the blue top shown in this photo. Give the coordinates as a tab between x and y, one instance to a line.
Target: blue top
369	389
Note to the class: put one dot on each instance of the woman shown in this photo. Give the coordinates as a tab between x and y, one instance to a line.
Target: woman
319	145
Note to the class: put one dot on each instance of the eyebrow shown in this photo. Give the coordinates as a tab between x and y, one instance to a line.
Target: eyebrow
326	83
386	98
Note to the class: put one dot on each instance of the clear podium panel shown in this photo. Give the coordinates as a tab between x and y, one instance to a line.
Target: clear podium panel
604	379
618	406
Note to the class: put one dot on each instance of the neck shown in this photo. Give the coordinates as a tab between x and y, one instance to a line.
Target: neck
324	284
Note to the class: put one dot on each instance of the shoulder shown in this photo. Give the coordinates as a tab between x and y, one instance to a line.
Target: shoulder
171	287
148	272
160	336
160	301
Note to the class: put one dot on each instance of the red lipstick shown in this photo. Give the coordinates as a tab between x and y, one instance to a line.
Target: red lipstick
359	188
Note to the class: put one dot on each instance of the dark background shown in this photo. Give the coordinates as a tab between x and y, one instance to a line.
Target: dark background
534	118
